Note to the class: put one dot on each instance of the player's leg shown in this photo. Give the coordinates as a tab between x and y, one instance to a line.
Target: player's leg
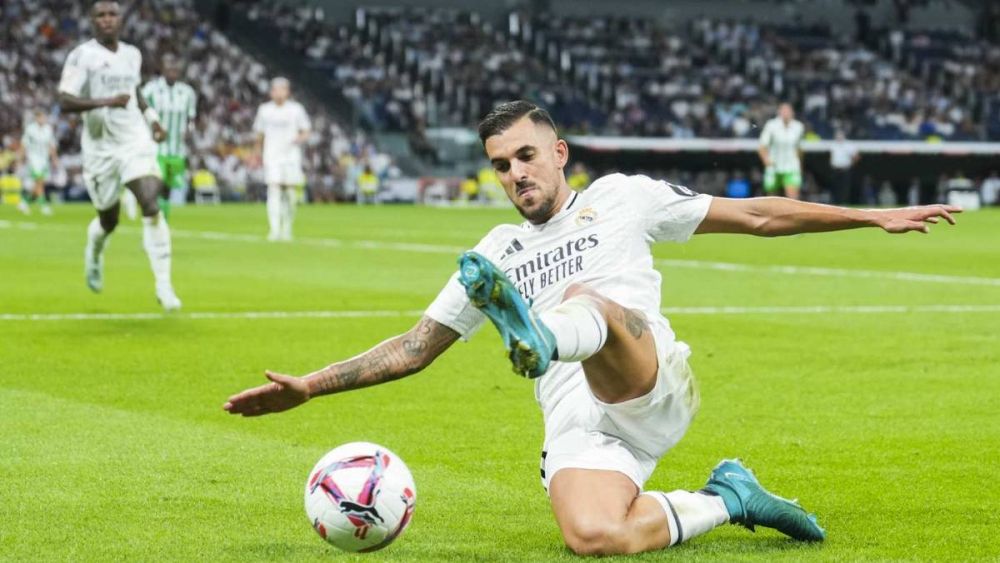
601	512
166	172
613	343
155	237
289	199
98	231
792	182
274	211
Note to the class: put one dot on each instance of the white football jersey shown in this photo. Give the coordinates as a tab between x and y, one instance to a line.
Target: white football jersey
92	71
280	125
37	141
601	238
782	142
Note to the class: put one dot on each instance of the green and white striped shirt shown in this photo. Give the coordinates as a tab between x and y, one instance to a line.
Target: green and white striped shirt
176	105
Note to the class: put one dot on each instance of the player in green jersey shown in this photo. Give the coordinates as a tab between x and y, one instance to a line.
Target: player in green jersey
176	102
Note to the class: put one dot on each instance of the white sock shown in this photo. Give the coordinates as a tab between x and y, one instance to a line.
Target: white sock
690	514
274	209
96	238
579	327
287	211
156	241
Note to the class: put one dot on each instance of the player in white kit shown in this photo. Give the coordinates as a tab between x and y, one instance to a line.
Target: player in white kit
101	79
282	127
576	299
38	150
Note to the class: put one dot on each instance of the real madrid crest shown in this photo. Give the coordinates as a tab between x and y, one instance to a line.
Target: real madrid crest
586	216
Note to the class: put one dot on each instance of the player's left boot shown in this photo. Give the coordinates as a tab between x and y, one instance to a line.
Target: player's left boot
167	298
23	207
749	504
529	342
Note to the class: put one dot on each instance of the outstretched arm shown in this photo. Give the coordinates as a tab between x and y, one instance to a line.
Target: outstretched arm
777	216
393	359
69	103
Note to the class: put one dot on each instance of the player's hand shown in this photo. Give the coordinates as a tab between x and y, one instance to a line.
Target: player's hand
908	219
159	135
119	101
283	393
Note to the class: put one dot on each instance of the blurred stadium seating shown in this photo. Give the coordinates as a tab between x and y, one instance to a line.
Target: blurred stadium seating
407	77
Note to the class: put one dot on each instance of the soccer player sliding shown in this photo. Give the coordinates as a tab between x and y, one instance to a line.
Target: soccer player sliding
574	295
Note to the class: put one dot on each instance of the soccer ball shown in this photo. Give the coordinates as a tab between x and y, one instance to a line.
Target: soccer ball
360	497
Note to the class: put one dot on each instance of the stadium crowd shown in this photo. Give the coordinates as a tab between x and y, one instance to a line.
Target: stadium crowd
230	86
407	68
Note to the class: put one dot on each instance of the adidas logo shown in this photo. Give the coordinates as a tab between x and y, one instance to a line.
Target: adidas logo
514	246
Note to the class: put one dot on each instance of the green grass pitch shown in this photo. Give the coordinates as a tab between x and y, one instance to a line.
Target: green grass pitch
885	421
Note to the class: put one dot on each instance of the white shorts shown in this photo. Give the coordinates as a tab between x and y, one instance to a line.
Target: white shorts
629	437
106	174
287	173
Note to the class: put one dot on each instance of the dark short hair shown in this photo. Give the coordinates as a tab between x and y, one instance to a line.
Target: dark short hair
508	113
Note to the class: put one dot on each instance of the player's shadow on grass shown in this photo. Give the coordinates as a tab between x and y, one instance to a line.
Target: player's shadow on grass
287	551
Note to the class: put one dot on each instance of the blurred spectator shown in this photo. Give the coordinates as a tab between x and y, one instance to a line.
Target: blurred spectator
990	189
469	188
843	156
367	186
579	178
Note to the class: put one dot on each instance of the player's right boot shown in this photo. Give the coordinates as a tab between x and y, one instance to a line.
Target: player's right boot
529	342
749	504
93	269
167	298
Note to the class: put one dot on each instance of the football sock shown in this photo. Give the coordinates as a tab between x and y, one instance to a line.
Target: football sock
579	327
274	210
156	241
96	238
287	212
690	514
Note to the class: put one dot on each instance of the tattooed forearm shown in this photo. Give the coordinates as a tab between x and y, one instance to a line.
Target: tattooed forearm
395	358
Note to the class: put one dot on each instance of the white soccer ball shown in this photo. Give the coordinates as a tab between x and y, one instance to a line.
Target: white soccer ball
360	497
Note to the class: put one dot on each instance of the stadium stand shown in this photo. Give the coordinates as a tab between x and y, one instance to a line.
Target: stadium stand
626	75
230	85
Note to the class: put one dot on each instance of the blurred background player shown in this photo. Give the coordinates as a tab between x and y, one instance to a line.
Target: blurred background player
176	103
101	80
843	156
781	153
282	127
38	152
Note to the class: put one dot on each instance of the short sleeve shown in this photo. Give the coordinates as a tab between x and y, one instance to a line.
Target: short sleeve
74	74
303	123
668	212
765	135
452	307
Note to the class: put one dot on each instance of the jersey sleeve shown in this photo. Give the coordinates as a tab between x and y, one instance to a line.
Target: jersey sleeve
765	135
303	121
147	94
74	74
668	212
452	307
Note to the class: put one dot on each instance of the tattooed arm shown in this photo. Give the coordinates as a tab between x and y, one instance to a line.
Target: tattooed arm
397	357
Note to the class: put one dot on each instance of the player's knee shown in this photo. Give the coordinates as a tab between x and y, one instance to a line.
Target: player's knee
592	537
108	222
148	203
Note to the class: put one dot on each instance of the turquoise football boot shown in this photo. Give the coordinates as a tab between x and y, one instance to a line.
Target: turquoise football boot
530	344
750	504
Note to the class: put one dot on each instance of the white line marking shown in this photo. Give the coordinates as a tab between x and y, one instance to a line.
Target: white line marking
828	272
666	262
791	310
